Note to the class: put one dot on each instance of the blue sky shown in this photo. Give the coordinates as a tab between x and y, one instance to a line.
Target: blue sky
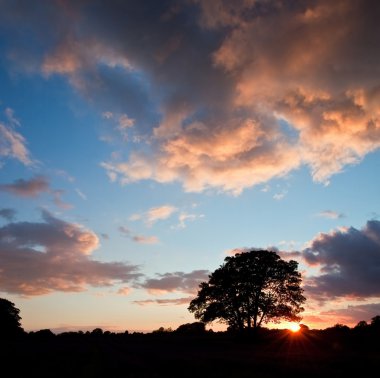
142	144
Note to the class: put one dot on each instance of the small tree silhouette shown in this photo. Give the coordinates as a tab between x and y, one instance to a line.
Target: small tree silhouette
9	319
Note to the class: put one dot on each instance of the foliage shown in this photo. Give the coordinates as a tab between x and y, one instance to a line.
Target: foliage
195	328
361	325
249	289
375	322
9	318
163	330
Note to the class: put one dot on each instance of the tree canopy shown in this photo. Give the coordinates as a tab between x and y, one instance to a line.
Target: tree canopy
249	289
9	318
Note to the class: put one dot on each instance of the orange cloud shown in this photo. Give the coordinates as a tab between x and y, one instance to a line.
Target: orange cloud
230	158
155	214
209	98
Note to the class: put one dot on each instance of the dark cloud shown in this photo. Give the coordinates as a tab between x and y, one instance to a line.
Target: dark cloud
177	281
27	188
54	255
8	214
33	188
349	262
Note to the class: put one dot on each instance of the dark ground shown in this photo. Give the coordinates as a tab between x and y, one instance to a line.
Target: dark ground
267	354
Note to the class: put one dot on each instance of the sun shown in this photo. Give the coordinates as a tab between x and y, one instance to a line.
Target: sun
294	327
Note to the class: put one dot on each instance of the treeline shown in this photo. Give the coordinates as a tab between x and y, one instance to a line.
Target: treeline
362	328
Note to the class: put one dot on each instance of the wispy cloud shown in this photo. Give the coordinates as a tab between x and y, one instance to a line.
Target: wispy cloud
165	302
184	217
57	199
154	214
142	239
124	290
81	194
279	196
330	214
54	255
13	144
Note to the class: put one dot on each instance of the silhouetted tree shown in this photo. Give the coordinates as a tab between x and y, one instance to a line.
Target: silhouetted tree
97	332
249	289
361	325
9	319
43	334
195	328
375	322
163	330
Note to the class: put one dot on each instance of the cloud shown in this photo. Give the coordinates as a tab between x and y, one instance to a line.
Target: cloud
230	157
125	122
13	145
33	188
8	214
185	217
54	255
279	196
27	188
234	251
353	314
330	214
349	263
277	85
155	214
177	281
142	239
165	302
145	239
81	194
124	291
9	113
57	198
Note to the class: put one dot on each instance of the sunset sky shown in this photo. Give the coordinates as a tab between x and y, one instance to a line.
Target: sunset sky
141	142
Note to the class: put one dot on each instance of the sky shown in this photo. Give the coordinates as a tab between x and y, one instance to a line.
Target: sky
142	142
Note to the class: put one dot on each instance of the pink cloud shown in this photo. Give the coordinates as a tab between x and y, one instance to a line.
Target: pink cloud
27	188
177	281
155	214
54	255
35	187
13	145
142	239
284	84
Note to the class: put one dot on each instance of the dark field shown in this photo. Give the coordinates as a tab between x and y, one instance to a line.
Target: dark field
276	353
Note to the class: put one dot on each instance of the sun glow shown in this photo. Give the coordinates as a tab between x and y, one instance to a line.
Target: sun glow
294	327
